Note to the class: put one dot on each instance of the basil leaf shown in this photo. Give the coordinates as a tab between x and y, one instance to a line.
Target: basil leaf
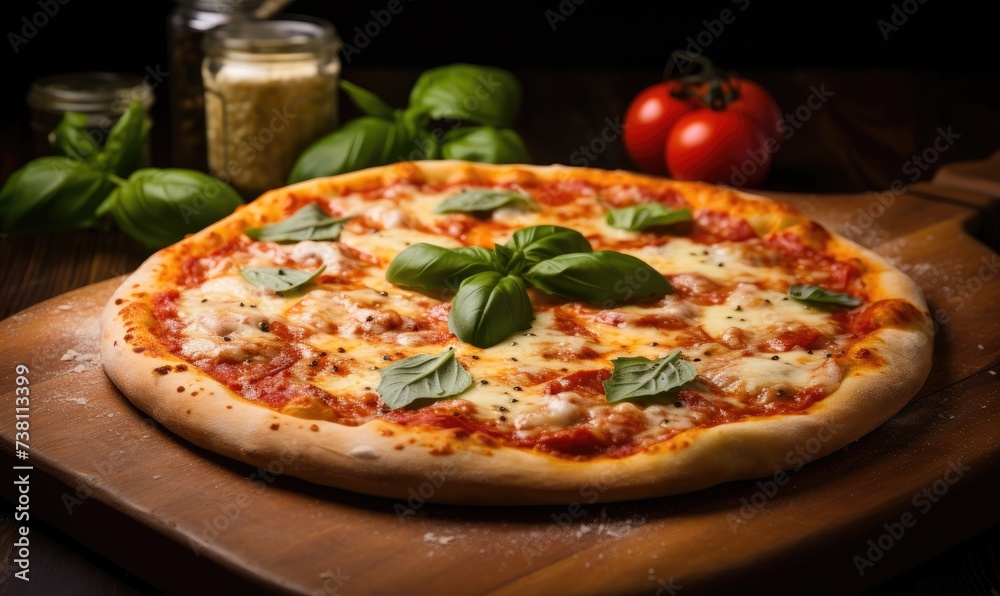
159	207
422	377
367	102
279	279
485	144
361	143
484	200
502	258
52	193
433	267
604	277
125	146
538	243
308	223
646	215
488	308
479	94
639	377
73	139
820	296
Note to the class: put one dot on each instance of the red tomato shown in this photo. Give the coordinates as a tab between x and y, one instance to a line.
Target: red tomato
756	102
648	120
724	146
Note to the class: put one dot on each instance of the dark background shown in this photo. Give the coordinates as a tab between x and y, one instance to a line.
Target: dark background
129	35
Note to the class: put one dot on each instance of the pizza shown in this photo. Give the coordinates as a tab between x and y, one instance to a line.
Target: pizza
519	334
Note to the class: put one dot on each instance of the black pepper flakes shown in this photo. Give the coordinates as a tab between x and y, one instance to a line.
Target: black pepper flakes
341	350
513	400
264	326
383	293
336	368
677	404
513	359
374	368
474	357
809	352
503	419
314	363
321	354
369	319
829	355
775	357
241	304
385	357
722	264
502	409
513	343
516	388
696	360
368	388
204	300
456	414
653	344
227	338
484	382
738	308
529	335
253	306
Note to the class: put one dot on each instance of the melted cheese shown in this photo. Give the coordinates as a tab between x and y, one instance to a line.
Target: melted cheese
366	324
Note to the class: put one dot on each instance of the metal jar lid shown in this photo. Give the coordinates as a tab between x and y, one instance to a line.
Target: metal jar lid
89	92
290	38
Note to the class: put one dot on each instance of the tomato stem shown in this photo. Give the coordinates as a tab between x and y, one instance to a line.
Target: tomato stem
696	72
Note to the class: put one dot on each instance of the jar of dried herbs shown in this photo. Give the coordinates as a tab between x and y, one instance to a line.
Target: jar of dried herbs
186	27
270	91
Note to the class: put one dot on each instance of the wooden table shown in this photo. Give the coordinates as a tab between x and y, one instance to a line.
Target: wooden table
863	136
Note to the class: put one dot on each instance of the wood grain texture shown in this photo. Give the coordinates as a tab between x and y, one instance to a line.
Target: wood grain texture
238	524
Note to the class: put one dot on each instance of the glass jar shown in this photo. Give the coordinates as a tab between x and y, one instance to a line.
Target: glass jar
102	96
186	27
270	91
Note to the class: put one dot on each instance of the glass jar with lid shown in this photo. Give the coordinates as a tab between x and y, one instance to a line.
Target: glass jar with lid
102	96
186	27
270	91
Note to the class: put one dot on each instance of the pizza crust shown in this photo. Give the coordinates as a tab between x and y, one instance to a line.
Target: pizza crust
387	460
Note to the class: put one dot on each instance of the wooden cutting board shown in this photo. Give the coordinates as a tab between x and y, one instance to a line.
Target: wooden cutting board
170	512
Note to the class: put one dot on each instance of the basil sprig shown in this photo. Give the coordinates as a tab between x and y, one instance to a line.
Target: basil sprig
489	307
158	207
479	199
492	300
485	144
280	279
86	187
486	98
646	215
641	378
820	296
308	223
448	92
604	277
433	267
422	377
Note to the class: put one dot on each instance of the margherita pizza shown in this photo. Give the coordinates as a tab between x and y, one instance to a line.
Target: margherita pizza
522	333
